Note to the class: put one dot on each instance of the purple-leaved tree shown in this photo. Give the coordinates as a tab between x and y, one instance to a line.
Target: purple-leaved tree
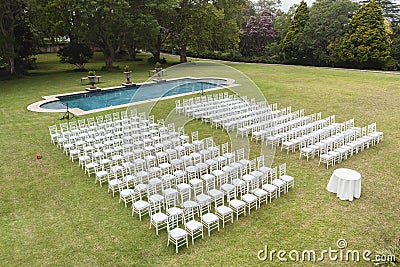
256	34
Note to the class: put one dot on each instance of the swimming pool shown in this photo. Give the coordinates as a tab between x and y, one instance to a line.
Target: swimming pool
121	96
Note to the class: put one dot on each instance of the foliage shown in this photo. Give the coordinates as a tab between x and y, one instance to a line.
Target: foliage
326	24
366	42
91	73
290	42
75	53
390	9
395	48
268	7
63	18
256	34
3	64
19	39
205	25
108	26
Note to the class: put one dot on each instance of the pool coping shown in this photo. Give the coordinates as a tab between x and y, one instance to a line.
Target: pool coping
36	107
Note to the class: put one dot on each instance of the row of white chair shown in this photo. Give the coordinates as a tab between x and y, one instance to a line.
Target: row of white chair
341	150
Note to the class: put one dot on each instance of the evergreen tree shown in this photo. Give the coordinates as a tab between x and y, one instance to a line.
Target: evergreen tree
289	45
391	10
366	43
327	23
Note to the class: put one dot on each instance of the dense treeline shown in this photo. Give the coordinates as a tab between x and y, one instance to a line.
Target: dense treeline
358	34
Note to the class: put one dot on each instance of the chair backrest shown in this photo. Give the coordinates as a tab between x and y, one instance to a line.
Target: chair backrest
372	128
53	129
155	207
154	186
116	116
188	215
260	161
139	165
133	113
225	148
195	136
196	158
209	142
333	119
273	173
142	116
99	119
253	164
282	169
172	222
124	114
91	121
240	154
364	131
108	117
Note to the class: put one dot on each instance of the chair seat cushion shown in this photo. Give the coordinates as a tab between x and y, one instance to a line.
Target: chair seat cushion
260	192
159	217
236	203
209	218
227	187
126	192
178	233
215	193
278	182
249	198
287	178
269	187
193	225
223	210
141	204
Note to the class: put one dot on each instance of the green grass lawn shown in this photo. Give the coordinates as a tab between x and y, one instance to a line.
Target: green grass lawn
52	214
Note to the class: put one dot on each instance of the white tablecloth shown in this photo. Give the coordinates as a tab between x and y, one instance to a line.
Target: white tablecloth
345	183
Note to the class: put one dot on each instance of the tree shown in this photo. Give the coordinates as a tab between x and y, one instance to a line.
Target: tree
225	29
265	7
290	43
11	10
107	27
256	34
366	42
19	40
75	53
62	18
327	23
391	10
201	25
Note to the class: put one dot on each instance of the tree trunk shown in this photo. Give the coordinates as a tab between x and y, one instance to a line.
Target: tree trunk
109	55
183	56
132	52
11	66
156	53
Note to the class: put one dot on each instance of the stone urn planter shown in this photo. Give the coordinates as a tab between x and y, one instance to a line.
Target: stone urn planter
92	79
127	73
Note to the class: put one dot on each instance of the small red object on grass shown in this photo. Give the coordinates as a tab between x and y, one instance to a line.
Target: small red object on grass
38	156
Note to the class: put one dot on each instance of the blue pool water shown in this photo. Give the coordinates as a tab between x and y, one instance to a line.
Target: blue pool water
115	97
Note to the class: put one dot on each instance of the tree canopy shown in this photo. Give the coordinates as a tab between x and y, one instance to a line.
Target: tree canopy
290	42
328	33
366	42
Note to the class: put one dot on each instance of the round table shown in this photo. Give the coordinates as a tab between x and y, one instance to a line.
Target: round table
346	183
